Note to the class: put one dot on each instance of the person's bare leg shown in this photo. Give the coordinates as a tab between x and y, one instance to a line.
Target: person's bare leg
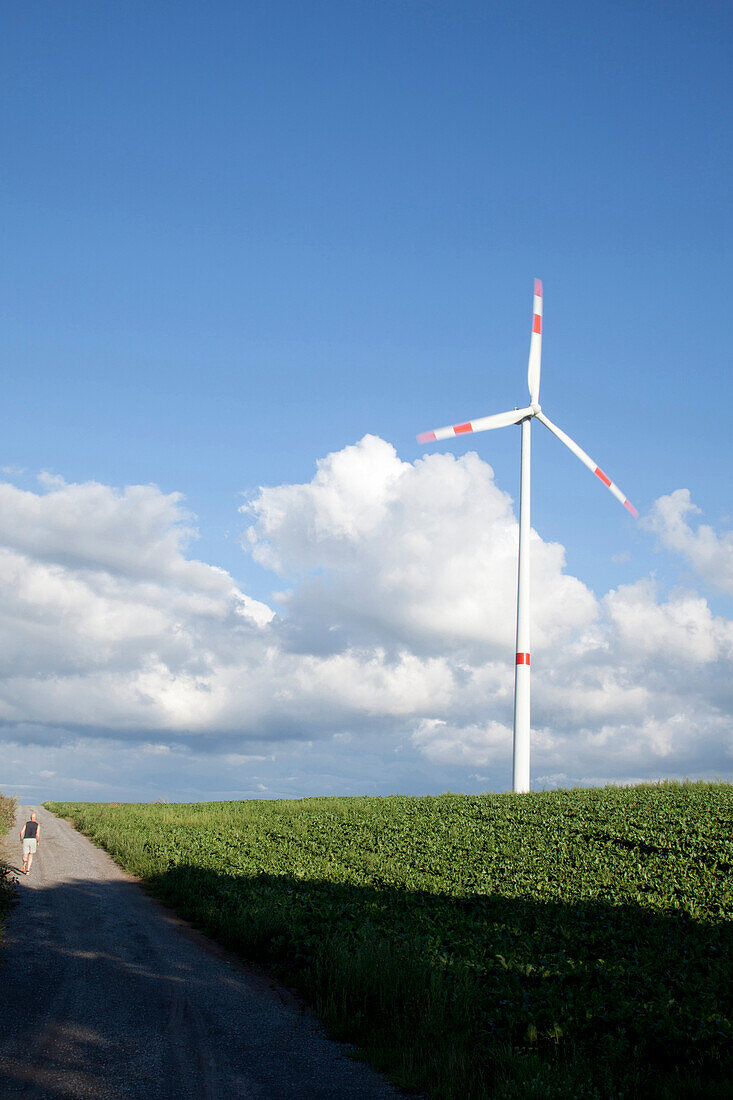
30	861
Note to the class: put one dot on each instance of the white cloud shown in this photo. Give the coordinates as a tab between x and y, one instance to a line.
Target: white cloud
138	534
710	554
423	554
392	655
681	630
471	744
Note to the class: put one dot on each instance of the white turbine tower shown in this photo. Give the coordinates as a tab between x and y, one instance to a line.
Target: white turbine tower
520	770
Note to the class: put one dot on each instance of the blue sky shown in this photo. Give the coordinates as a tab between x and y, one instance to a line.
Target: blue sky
238	237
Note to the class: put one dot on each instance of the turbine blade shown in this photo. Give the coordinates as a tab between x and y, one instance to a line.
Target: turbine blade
483	424
587	461
535	346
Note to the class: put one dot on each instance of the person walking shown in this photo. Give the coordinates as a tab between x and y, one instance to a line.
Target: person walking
30	834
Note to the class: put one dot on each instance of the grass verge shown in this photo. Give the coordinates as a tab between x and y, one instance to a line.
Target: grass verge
557	944
7	885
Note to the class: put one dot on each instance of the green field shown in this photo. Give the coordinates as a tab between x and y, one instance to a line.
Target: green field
570	943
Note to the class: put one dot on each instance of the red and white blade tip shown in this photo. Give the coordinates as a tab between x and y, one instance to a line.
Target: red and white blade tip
451	430
616	491
538	287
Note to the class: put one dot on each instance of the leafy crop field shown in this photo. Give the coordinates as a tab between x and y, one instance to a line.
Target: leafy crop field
569	943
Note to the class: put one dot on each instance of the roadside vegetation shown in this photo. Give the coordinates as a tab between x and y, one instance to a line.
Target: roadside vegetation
7	814
7	883
568	943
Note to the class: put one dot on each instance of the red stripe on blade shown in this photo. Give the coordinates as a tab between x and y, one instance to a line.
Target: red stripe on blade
630	506
426	437
599	473
523	658
538	287
459	429
537	324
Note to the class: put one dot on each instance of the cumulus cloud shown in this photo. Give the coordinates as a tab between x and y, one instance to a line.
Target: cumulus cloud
471	744
390	653
137	534
104	623
710	554
106	626
678	631
423	555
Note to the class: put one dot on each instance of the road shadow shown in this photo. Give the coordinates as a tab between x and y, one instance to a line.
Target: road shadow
460	995
78	993
105	995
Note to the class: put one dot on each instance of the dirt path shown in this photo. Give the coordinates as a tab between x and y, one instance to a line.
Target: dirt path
104	994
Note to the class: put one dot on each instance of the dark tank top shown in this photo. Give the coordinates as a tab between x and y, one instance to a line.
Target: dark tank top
31	828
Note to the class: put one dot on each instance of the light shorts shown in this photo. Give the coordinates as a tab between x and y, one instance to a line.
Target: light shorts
29	846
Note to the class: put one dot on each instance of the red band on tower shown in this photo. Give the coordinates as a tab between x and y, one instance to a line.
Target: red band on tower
523	658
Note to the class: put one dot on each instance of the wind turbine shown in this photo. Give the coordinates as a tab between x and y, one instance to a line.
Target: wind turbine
520	768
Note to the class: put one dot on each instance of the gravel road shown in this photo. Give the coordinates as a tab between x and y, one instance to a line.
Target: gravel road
105	994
